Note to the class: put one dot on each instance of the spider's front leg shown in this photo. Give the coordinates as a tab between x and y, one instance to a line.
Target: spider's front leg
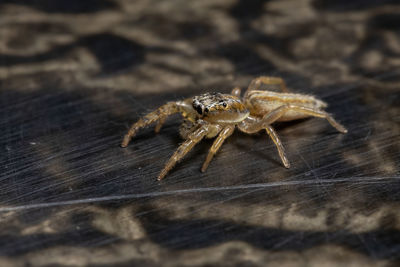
183	149
159	115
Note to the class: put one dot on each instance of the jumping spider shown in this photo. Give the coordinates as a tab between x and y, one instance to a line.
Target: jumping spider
215	114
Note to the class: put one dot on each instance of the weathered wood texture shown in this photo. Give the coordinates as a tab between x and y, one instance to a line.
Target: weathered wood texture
75	74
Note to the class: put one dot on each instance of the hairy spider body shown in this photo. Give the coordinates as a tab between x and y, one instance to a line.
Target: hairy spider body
217	115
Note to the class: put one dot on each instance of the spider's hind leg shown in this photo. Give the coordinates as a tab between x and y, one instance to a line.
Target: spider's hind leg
277	113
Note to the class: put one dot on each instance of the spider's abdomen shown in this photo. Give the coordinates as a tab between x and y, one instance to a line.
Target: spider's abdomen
263	102
219	108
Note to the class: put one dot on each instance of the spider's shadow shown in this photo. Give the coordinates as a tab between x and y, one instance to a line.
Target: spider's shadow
250	149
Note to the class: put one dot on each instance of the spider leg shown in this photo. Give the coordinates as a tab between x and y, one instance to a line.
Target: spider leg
281	151
160	124
236	91
184	148
159	115
275	114
256	83
224	134
252	125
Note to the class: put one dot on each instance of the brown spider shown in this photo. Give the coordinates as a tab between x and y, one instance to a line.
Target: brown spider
215	114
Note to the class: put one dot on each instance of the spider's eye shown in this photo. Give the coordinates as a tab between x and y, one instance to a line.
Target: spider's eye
199	110
222	102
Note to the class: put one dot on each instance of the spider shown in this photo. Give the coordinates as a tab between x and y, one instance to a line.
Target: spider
218	115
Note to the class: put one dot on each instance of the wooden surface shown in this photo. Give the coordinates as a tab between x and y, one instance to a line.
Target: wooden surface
75	74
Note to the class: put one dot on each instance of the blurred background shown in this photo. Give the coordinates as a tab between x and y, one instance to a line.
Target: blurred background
75	74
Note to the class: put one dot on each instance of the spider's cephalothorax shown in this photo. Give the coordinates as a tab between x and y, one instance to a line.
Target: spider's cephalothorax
219	108
215	114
